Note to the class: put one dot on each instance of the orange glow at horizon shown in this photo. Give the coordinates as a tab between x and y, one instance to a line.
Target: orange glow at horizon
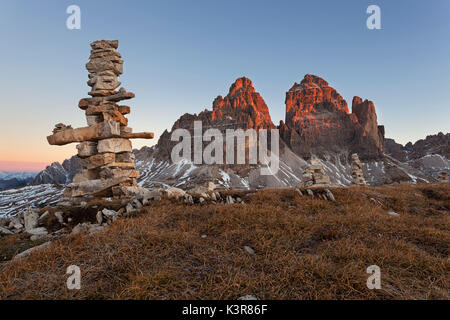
33	154
22	166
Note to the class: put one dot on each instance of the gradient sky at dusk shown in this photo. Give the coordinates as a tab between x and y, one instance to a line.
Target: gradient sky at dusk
179	55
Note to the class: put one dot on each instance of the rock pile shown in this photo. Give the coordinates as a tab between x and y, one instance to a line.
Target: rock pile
357	173
91	217
325	194
107	162
442	176
28	221
314	174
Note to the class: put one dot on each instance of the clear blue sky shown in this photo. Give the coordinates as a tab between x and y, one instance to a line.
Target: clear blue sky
179	55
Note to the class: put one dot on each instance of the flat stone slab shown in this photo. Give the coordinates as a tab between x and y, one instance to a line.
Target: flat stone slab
87	149
92	133
114	145
92	187
98	160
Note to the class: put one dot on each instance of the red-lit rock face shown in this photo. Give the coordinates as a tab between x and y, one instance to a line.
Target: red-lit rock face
312	96
242	108
318	122
244	105
317	119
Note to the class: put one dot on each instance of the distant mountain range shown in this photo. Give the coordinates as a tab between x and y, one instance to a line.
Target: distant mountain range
57	173
318	124
15	179
430	155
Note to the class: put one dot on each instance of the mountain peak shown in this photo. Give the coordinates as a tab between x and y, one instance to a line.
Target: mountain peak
313	95
310	81
319	121
242	83
244	105
313	81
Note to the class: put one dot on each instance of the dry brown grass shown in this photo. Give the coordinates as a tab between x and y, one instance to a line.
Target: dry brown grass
304	249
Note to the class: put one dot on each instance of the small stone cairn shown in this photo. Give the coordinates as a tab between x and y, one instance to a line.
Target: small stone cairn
107	161
314	174
357	173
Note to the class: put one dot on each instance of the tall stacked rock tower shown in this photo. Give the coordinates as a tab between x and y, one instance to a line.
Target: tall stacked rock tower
357	173
107	161
314	174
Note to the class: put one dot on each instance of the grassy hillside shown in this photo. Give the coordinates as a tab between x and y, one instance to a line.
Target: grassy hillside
304	248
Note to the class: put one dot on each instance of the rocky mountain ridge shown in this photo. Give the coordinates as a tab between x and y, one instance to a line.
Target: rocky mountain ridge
318	122
318	125
15	179
57	173
430	155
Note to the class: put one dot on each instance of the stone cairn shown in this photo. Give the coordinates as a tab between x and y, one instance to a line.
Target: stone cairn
107	161
357	173
314	174
442	176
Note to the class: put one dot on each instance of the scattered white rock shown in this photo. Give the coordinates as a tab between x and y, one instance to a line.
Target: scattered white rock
211	186
36	237
188	199
309	192
59	216
5	231
16	223
173	192
63	204
129	208
110	216
330	195
109	213
139	193
249	250
43	216
248	297
230	200
81	227
392	213
137	204
27	252
200	191
30	217
37	231
99	217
